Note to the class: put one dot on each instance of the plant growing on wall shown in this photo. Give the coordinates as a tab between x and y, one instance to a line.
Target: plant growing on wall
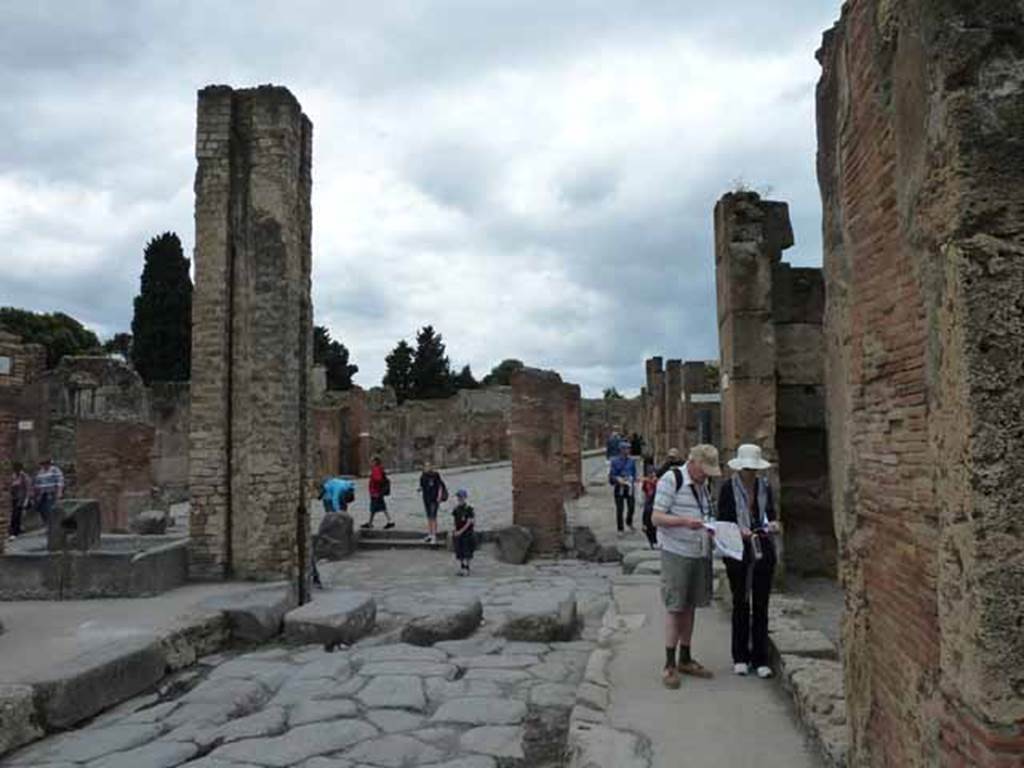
162	325
60	334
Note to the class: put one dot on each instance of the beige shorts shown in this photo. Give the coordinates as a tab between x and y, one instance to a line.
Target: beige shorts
685	581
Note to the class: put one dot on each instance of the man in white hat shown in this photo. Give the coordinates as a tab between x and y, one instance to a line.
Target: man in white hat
682	506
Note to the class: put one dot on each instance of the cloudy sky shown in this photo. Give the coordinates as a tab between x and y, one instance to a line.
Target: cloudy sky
535	179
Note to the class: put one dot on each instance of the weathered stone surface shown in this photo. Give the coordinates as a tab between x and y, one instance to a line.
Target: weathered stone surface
394	691
497	661
648	567
514	543
807	642
318	711
547	617
87	745
553	695
599	746
497	741
74	525
18	724
476	761
632	559
74	690
152	522
256	616
394	720
398	652
159	754
444	621
585	543
481	711
335	538
818	692
418	668
394	751
337	617
297	745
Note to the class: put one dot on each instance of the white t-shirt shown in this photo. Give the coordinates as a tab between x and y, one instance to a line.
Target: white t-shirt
690	501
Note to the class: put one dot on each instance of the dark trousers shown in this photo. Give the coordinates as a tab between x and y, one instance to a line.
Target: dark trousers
620	500
649	528
45	505
15	527
750	606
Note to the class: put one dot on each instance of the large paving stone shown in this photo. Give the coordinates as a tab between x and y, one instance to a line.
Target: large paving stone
500	741
397	652
632	559
648	568
514	543
18	724
395	720
541	617
87	745
394	692
481	711
808	642
420	668
297	745
599	746
445	621
394	751
74	690
475	761
159	754
318	711
553	695
335	538
255	616
333	618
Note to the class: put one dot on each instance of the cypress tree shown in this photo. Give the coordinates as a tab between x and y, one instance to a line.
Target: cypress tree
162	325
398	373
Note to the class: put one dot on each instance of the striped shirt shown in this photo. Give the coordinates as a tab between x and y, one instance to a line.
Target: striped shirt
679	540
49	481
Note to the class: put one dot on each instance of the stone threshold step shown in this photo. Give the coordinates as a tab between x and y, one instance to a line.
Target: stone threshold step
400	544
394	534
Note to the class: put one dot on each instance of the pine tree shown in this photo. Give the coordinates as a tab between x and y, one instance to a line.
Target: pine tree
333	355
431	370
398	374
465	379
162	326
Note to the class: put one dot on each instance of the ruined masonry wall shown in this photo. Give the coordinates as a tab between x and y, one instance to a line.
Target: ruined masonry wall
250	458
921	167
572	447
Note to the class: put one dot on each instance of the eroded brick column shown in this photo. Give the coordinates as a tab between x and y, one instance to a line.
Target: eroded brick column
920	126
572	442
656	437
674	431
250	458
538	485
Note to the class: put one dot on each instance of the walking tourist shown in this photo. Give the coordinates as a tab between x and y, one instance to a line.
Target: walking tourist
379	488
636	443
463	522
434	493
622	478
747	501
21	495
611	446
682	507
47	488
650	486
674	459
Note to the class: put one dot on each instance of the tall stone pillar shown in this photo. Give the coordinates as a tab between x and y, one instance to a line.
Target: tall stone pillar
674	431
538	485
572	442
657	435
750	235
250	450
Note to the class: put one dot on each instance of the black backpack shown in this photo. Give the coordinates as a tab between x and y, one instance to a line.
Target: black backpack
350	495
385	485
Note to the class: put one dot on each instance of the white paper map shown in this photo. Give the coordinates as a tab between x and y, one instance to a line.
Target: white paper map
728	540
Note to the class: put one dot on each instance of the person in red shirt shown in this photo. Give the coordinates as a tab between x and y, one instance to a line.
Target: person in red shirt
380	487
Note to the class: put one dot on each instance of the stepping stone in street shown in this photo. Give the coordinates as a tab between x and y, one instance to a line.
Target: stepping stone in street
544	617
444	621
637	556
333	618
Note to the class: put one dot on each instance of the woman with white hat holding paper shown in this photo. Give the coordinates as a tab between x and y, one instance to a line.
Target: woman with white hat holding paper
746	499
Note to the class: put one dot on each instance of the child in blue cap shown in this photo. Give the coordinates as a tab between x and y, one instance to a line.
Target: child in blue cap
465	539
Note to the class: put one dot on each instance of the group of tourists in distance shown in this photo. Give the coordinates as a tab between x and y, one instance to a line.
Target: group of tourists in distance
338	492
678	518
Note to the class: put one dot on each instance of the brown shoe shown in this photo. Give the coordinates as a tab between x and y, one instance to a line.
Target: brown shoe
670	678
695	669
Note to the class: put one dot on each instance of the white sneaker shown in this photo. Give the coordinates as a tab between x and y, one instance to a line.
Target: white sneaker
432	539
741	669
427	538
764	672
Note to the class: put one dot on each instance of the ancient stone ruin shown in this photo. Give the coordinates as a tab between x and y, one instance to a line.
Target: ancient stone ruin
921	167
772	376
250	459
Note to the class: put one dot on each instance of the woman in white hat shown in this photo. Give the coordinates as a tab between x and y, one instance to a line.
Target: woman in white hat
746	499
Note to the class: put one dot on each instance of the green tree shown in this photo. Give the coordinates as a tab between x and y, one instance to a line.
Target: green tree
60	334
162	326
398	371
333	355
431	370
464	379
612	394
120	344
501	374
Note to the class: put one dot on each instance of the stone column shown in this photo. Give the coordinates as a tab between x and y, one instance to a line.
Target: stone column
250	458
538	485
674	436
750	235
656	436
572	442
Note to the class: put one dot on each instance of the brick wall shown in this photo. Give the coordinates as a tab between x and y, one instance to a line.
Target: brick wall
701	407
250	459
536	424
920	125
572	446
114	467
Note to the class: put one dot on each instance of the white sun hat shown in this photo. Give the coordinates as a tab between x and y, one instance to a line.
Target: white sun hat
748	456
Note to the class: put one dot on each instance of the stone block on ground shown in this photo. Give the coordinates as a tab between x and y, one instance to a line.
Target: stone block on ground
18	724
806	642
76	525
648	567
817	688
540	617
514	543
599	746
256	616
444	621
585	543
332	618
609	553
335	538
74	690
632	559
152	522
